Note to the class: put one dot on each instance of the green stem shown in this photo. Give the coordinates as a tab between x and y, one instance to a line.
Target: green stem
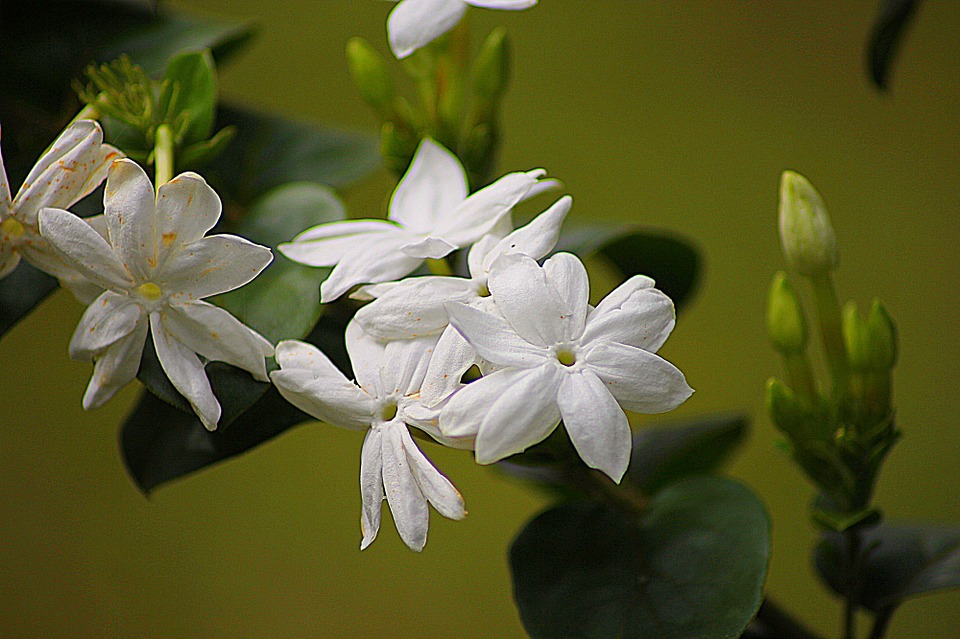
851	569
163	155
831	332
882	622
801	377
440	266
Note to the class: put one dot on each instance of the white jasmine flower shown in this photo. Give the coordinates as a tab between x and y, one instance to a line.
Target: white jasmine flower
430	216
74	165
383	401
156	266
415	23
415	306
562	360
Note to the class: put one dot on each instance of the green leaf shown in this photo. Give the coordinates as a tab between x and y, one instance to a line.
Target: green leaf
195	78
270	150
692	565
665	454
670	260
888	30
155	44
283	302
162	440
20	292
902	560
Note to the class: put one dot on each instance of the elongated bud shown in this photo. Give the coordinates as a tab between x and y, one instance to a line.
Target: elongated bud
883	338
856	338
807	237
786	411
370	74
785	321
491	71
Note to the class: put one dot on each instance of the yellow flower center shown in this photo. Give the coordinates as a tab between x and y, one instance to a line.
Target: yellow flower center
567	358
11	228
150	291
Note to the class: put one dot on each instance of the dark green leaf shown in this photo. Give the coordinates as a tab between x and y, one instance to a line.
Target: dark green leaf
160	443
888	30
270	150
194	78
692	565
902	560
664	454
284	301
20	292
670	260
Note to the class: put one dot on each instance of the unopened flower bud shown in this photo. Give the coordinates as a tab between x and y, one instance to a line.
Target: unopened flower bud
491	72
807	237
370	74
785	321
856	338
786	411
883	338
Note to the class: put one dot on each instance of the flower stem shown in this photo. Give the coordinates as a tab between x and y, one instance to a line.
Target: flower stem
163	155
831	333
881	622
851	570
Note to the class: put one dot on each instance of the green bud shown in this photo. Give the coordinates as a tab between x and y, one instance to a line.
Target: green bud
370	74
491	71
786	411
785	321
856	338
807	237
883	338
397	147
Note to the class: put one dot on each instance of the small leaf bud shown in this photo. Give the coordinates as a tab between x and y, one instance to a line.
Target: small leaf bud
785	321
806	235
370	74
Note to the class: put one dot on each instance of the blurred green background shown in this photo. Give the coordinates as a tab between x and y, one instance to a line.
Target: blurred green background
676	115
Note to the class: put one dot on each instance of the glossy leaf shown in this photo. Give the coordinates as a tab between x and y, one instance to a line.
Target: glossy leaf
885	38
902	560
692	565
193	81
284	301
270	150
670	260
20	292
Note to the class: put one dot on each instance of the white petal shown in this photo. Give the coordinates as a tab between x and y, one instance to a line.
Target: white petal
432	188
366	357
537	238
429	247
493	338
292	354
481	255
371	485
644	320
130	210
336	401
502	4
185	372
187	208
327	244
82	248
568	276
528	301
110	318
622	293
212	265
413	307
435	487
452	357
415	23
116	366
407	503
374	259
641	381
595	423
9	259
404	365
483	210
217	335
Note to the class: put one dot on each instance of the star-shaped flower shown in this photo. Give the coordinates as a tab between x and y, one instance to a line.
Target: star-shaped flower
430	216
415	23
383	401
74	165
561	359
156	266
415	306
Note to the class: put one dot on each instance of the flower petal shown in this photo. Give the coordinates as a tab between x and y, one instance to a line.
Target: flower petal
435	487
622	293
404	365
366	357
110	318
212	265
428	247
502	4
407	502
371	485
528	301
537	238
640	381
644	320
215	334
413	307
327	244
83	249
493	338
452	357
130	210
9	259
187	208
434	185
116	366
186	373
415	23
595	423
568	276
373	259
